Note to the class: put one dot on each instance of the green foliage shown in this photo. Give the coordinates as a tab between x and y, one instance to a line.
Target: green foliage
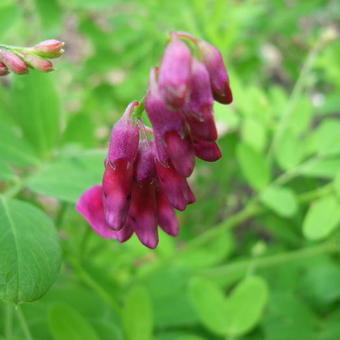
30	252
257	254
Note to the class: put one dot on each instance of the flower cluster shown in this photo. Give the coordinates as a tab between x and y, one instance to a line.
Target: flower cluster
19	59
146	170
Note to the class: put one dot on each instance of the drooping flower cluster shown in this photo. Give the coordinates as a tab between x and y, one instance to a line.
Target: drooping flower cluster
145	178
19	59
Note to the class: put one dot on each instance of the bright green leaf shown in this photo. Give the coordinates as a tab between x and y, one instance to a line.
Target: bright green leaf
254	166
37	110
67	178
322	218
30	254
281	200
209	303
50	16
245	305
66	323
337	184
137	315
254	133
289	150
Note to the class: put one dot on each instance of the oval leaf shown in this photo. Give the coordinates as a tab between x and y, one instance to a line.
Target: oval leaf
281	200
137	315
322	218
67	324
30	254
209	302
245	305
254	166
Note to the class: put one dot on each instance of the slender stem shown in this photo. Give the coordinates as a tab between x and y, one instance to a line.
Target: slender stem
270	261
296	92
23	323
8	321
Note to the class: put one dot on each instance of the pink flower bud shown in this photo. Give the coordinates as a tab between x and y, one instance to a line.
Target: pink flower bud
208	151
90	205
167	219
175	73
204	127
171	138
51	48
124	137
37	62
3	69
174	186
12	61
213	61
143	213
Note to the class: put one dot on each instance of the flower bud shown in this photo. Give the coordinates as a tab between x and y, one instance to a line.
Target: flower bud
124	137
213	61
51	48
171	138
175	73
3	69
37	62
12	61
119	170
208	151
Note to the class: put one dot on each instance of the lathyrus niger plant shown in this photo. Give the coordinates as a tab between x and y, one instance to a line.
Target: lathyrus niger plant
136	205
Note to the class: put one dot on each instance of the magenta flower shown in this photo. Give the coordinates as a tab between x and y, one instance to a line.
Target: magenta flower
175	73
171	136
12	61
118	175
145	179
213	61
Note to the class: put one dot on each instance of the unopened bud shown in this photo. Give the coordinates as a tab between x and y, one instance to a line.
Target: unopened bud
3	69
37	62
12	61
51	48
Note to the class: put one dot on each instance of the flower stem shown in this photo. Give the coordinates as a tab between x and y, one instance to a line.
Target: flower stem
23	323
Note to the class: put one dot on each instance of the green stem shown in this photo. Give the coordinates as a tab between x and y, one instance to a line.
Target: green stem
296	93
23	323
241	267
88	279
8	321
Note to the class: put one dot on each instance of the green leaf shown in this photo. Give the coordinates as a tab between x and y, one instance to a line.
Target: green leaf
37	110
67	324
321	168
67	178
254	133
326	138
254	166
137	315
245	305
13	148
281	200
209	303
289	150
322	218
30	254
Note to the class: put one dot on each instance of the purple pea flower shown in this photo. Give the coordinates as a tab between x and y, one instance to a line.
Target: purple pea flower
213	61
175	73
119	169
171	136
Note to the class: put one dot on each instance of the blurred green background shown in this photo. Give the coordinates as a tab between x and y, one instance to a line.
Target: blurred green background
258	253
